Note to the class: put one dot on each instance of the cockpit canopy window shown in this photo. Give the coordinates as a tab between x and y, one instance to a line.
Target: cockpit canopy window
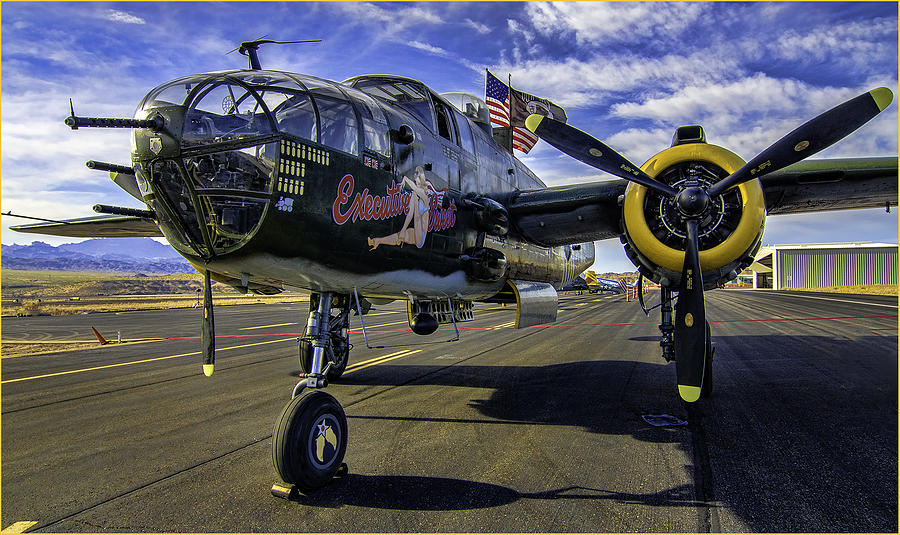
231	105
224	111
406	94
469	105
294	115
375	125
339	128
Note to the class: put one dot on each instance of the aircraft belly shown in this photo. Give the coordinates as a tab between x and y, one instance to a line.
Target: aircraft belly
396	284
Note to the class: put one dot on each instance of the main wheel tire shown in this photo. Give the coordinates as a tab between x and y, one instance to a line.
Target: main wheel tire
310	440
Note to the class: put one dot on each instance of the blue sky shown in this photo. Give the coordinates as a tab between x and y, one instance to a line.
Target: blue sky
628	73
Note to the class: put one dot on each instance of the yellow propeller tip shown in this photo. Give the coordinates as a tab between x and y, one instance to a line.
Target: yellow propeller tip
208	369
689	393
882	97
532	121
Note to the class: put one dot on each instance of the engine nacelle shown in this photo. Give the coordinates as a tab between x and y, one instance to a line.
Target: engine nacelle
731	228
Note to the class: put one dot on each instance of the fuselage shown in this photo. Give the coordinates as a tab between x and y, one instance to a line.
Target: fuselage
272	180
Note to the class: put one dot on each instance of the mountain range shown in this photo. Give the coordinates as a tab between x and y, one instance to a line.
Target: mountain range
130	255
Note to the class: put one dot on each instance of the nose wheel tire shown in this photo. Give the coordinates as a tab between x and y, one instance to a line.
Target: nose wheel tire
310	440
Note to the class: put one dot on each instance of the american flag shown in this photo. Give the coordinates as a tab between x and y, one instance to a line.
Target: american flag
496	95
510	107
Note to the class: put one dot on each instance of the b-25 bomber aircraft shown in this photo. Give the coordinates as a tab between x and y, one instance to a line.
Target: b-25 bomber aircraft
377	189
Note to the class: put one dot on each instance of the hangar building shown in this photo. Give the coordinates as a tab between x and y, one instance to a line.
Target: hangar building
824	264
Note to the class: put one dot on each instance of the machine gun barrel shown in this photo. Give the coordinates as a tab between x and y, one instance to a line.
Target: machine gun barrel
121	210
111	167
155	123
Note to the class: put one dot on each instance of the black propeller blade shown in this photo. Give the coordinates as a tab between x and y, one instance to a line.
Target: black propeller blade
690	321
208	331
811	137
584	147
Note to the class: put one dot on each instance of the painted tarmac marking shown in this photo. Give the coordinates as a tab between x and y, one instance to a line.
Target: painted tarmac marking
94	341
19	527
381	360
266	326
140	361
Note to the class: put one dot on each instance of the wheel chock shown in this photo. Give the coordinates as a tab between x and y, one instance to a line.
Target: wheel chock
342	471
291	493
284	492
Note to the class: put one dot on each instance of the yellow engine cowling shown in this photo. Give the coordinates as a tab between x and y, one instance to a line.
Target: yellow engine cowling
731	231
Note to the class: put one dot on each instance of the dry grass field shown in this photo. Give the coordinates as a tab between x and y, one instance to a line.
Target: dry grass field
28	293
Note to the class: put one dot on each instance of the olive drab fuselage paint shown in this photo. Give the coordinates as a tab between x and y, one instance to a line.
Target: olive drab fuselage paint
276	179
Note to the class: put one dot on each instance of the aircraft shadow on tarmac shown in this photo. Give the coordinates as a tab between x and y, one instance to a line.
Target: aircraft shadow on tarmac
802	431
417	493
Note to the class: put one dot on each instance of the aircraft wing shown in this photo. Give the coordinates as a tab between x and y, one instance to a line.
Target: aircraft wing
833	184
105	226
576	213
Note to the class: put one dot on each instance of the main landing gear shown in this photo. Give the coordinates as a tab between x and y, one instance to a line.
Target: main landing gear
310	436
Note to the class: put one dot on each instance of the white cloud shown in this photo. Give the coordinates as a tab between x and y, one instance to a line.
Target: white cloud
638	145
480	28
597	22
392	21
855	44
517	28
438	51
431	49
577	83
123	17
750	114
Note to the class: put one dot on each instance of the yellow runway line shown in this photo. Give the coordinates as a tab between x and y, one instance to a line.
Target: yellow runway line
380	360
141	361
19	527
267	326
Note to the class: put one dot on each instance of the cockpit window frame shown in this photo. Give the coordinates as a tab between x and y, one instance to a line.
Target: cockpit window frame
362	83
284	83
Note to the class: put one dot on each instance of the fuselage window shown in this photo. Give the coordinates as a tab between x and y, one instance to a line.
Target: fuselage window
403	94
444	124
375	125
295	115
465	133
339	128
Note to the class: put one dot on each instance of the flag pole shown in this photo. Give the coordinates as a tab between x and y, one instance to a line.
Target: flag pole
511	149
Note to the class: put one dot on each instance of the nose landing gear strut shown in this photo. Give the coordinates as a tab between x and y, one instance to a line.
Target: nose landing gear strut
310	436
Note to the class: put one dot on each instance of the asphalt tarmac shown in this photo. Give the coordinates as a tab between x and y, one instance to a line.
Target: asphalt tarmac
536	430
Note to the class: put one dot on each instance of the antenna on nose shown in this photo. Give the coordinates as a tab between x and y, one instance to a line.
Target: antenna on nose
250	49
